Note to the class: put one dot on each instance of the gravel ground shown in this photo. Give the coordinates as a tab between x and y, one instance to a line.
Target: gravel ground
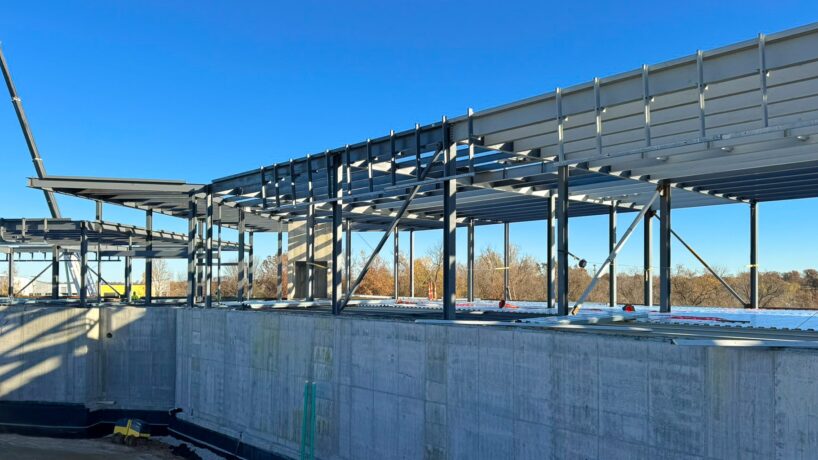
18	447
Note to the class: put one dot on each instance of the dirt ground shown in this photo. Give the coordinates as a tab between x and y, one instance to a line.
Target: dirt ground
18	447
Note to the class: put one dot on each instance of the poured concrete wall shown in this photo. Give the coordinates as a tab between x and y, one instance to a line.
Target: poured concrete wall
297	251
65	355
390	389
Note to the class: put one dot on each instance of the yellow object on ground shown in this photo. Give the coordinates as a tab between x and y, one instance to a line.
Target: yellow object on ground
118	290
130	430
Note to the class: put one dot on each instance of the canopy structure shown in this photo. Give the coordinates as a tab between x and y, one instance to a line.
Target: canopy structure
169	197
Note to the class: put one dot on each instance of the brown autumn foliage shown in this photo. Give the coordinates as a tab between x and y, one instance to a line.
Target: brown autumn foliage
527	282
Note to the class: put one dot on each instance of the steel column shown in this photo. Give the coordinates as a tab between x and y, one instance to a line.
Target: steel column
99	250
242	275
648	260
310	234
396	262
347	254
200	259
753	254
611	246
129	271
562	241
250	266
664	248
506	261
411	263
208	268
449	225
338	233
149	261
280	265
11	274
83	265
470	262
551	263
55	273
191	251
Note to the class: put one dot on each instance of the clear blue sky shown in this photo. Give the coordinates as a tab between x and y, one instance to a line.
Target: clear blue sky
199	90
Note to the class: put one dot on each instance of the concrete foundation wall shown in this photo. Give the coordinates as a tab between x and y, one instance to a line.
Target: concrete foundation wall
390	389
65	355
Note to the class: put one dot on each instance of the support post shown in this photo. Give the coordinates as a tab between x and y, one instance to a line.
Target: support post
664	248
208	268
250	266
129	271
753	254
191	250
200	260
310	234
470	262
338	234
562	241
614	252
149	261
611	246
99	250
411	263
55	273
506	261
83	265
280	265
11	274
648	259
396	262
449	225
551	263
348	254
242	275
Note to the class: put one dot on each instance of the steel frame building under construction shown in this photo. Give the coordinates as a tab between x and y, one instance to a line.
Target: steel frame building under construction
735	125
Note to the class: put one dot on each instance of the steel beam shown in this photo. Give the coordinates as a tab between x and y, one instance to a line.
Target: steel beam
337	235
612	265
562	241
348	253
280	264
411	263
396	262
412	194
11	274
664	247
129	272
191	252
250	266
200	255
449	225
506	261
310	236
614	252
55	273
208	268
83	265
242	274
551	256
647	256
753	254
149	261
470	262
